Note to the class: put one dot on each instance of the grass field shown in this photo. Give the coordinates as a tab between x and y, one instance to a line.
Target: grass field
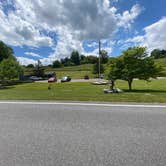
162	62
72	71
154	91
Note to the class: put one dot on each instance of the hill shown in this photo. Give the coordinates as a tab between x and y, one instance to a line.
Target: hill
162	63
72	71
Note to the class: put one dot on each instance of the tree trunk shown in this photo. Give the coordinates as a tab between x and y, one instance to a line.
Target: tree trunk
112	85
130	84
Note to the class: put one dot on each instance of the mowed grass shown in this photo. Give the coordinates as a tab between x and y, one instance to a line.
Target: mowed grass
75	72
154	91
162	62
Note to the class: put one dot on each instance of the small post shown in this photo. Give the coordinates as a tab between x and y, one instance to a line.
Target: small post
99	57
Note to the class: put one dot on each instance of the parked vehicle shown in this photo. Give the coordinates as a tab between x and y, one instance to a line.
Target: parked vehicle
35	78
65	79
101	76
52	79
86	77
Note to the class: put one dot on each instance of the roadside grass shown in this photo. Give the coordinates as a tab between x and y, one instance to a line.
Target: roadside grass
154	91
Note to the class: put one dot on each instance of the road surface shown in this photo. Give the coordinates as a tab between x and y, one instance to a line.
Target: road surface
85	134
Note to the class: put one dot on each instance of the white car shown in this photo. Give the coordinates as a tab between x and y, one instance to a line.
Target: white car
35	78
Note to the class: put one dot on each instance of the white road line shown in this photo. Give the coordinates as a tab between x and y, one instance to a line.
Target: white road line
84	104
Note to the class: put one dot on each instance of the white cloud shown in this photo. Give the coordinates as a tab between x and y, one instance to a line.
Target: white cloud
33	54
154	37
73	21
25	61
115	0
17	31
106	44
136	39
128	17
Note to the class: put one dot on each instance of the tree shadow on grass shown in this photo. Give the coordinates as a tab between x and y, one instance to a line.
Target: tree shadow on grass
10	84
145	91
6	87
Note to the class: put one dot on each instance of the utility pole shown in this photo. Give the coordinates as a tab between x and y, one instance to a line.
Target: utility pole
99	57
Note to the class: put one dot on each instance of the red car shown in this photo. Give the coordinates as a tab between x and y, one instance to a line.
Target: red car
52	79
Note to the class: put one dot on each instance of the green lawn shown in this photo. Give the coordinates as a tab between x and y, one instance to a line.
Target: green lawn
72	71
74	74
154	91
161	62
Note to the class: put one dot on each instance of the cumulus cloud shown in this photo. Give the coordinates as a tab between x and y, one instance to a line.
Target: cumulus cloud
136	39
72	21
33	54
128	17
154	37
17	32
25	61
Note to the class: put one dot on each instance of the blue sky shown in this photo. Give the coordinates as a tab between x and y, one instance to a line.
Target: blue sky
51	29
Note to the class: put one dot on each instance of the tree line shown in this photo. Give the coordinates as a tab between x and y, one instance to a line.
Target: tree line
9	66
157	53
77	59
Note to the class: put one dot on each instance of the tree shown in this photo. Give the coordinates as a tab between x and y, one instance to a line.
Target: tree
156	54
30	66
134	63
91	59
75	58
66	62
96	68
10	69
39	70
82	59
104	56
113	70
5	51
56	64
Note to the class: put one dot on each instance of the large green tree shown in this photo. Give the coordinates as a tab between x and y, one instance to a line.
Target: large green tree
10	69
114	70
104	56
156	54
5	51
39	69
56	64
134	63
75	57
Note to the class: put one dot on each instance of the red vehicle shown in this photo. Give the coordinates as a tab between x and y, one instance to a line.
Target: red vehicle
52	79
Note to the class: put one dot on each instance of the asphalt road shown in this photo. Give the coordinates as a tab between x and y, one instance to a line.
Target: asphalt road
80	135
